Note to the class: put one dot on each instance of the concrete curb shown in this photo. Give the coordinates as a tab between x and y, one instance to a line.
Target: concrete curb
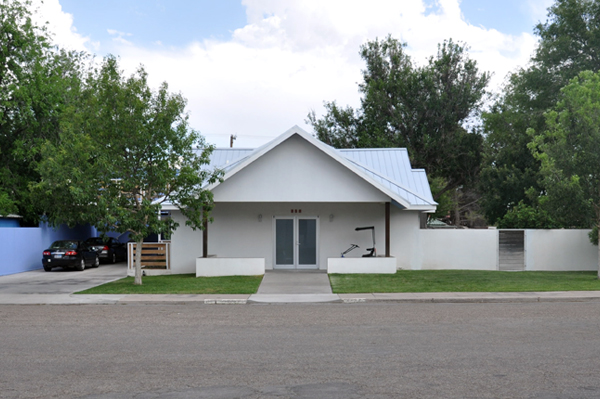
450	297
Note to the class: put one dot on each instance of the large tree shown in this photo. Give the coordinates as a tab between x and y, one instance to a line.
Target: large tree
569	153
569	44
37	81
124	150
423	109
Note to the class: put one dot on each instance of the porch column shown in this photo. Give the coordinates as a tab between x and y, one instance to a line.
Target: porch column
387	229
204	234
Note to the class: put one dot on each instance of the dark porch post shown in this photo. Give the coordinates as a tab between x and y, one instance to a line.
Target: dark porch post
204	234
387	229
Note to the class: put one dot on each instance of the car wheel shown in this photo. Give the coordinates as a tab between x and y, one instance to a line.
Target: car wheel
81	266
96	262
114	258
47	268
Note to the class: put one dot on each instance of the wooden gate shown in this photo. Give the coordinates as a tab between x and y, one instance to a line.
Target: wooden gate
155	255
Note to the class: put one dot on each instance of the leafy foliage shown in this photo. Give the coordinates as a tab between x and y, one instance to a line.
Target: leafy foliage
568	45
568	152
36	82
124	150
420	108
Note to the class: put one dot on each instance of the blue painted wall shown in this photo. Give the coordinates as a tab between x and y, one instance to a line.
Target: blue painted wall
21	247
9	222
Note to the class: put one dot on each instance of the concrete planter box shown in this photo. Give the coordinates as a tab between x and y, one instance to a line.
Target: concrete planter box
361	265
213	267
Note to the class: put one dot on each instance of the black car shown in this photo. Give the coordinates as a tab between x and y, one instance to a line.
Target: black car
70	253
109	249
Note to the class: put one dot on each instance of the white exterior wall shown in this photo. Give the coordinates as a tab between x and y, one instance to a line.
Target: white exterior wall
296	172
186	246
237	232
459	249
405	240
560	250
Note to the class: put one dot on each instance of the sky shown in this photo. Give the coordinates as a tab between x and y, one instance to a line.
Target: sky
255	68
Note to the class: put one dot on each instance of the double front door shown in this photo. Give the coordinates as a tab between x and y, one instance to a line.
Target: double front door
296	242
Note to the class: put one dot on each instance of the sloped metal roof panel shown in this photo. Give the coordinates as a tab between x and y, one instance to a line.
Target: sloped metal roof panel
225	158
393	165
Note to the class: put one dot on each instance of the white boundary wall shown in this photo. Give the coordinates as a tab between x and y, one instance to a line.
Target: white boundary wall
459	249
552	250
560	250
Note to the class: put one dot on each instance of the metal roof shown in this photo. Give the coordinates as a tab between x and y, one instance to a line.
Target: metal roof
391	167
388	167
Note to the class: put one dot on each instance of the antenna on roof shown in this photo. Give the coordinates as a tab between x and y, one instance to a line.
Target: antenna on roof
232	139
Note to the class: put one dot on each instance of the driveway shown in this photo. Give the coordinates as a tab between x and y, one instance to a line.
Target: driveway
56	285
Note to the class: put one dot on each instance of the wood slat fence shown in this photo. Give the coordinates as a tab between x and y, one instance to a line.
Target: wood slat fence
154	255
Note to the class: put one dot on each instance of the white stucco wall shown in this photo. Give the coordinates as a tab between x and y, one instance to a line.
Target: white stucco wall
406	241
237	232
186	246
296	172
458	249
560	250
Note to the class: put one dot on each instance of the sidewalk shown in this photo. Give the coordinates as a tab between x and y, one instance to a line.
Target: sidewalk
277	287
436	297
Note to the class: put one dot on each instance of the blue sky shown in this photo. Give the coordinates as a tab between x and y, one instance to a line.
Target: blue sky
254	68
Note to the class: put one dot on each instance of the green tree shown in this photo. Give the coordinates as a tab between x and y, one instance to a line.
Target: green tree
123	152
37	80
568	150
423	109
568	45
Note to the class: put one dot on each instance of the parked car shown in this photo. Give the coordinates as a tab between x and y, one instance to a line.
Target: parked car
70	253
109	249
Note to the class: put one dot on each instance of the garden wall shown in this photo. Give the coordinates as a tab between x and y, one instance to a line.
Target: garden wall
459	249
558	250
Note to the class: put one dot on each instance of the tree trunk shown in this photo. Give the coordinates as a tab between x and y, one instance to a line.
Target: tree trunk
456	208
599	250
138	262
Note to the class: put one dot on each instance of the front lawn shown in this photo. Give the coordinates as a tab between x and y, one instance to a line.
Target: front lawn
463	281
180	284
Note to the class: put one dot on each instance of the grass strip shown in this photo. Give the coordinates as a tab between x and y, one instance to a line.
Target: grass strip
180	284
464	281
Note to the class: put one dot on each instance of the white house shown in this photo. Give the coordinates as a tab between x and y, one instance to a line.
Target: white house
295	203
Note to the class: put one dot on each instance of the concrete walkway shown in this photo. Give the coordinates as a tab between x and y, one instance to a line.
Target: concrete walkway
293	287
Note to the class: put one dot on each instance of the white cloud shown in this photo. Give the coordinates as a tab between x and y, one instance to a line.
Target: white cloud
292	55
119	36
60	25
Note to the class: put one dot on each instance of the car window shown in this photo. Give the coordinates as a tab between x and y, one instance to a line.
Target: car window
94	241
64	245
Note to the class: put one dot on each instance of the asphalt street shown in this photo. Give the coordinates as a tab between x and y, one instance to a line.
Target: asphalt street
365	350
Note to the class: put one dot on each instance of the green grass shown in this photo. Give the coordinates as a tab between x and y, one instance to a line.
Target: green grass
180	284
464	281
